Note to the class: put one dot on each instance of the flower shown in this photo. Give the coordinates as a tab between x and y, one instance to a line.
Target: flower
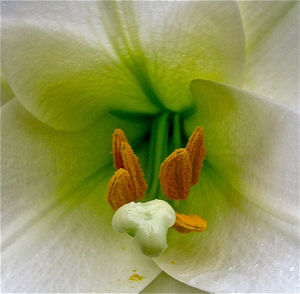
79	70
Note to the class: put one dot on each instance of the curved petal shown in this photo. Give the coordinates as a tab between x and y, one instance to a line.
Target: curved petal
165	284
272	36
68	62
61	65
56	224
6	92
180	41
248	193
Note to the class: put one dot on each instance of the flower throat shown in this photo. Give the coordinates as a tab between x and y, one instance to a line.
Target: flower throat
169	180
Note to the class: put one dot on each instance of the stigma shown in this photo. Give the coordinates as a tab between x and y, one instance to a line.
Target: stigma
147	222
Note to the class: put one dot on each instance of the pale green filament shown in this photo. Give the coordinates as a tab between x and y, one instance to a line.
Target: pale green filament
147	222
158	148
176	134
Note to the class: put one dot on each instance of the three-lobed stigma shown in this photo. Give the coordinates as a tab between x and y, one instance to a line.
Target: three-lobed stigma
149	222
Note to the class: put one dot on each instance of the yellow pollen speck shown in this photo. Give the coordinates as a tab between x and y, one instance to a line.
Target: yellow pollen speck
123	248
173	262
134	270
135	277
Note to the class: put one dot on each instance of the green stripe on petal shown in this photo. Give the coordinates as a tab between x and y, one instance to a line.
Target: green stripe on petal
70	62
61	65
175	42
247	192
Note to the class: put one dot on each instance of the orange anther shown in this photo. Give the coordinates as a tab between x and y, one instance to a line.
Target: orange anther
196	150
120	189
189	223
117	138
131	164
176	175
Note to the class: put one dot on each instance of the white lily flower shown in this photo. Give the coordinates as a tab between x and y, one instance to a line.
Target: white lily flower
79	70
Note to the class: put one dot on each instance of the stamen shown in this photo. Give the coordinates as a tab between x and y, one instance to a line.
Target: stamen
176	175
117	138
196	150
189	223
120	189
131	164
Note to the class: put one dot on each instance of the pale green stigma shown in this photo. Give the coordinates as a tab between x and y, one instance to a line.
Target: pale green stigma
147	222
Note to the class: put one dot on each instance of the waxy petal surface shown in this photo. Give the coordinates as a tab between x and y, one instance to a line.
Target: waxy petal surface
56	223
6	92
272	43
166	284
69	62
247	192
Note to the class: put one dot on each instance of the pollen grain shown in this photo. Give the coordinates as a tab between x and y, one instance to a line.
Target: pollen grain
135	277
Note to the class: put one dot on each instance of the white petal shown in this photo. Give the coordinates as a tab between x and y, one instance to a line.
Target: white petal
6	92
182	41
165	284
61	65
68	62
56	224
272	35
248	193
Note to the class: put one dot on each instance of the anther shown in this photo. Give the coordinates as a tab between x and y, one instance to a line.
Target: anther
117	138
176	175
131	164
120	189
189	223
196	150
